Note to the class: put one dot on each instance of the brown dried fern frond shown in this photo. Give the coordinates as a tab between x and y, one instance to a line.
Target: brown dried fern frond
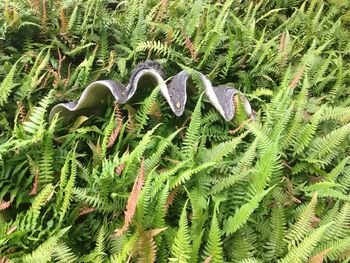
132	201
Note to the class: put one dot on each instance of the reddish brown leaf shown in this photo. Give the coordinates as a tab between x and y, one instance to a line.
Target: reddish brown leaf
132	201
114	134
345	254
272	204
146	249
155	111
11	230
57	73
232	132
66	81
120	168
86	210
283	43
290	190
44	17
285	163
35	185
63	20
156	231
4	260
117	112
189	45
146	246
208	259
22	111
296	79
314	221
170	160
319	257
161	11
131	122
4	205
35	6
296	200
316	179
282	49
171	197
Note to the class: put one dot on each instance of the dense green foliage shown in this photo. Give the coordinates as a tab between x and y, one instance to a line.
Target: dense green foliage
123	188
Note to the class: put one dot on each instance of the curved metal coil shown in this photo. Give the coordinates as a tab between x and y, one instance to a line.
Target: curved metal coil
148	73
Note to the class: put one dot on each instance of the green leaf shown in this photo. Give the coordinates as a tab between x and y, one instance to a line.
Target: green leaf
181	247
233	223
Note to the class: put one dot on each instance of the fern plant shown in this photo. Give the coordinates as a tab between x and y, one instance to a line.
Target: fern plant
135	183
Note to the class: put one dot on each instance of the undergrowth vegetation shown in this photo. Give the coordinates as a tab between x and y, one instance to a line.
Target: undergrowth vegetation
141	185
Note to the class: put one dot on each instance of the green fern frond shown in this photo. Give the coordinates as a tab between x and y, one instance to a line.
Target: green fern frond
161	49
345	180
7	85
302	226
142	114
131	18
221	150
264	170
82	73
63	254
264	141
296	123
300	253
325	148
320	186
339	229
32	79
333	193
160	210
214	36
45	166
136	154
95	201
152	161
307	132
187	174
275	244
243	244
337	113
64	176
72	19
339	85
106	135
36	120
68	190
181	247
125	250
100	246
339	169
339	250
41	199
237	173
46	250
213	247
103	48
191	140
192	19
160	179
140	29
250	260
233	223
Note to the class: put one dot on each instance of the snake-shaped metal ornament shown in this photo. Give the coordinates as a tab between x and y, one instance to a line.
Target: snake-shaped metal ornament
94	97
